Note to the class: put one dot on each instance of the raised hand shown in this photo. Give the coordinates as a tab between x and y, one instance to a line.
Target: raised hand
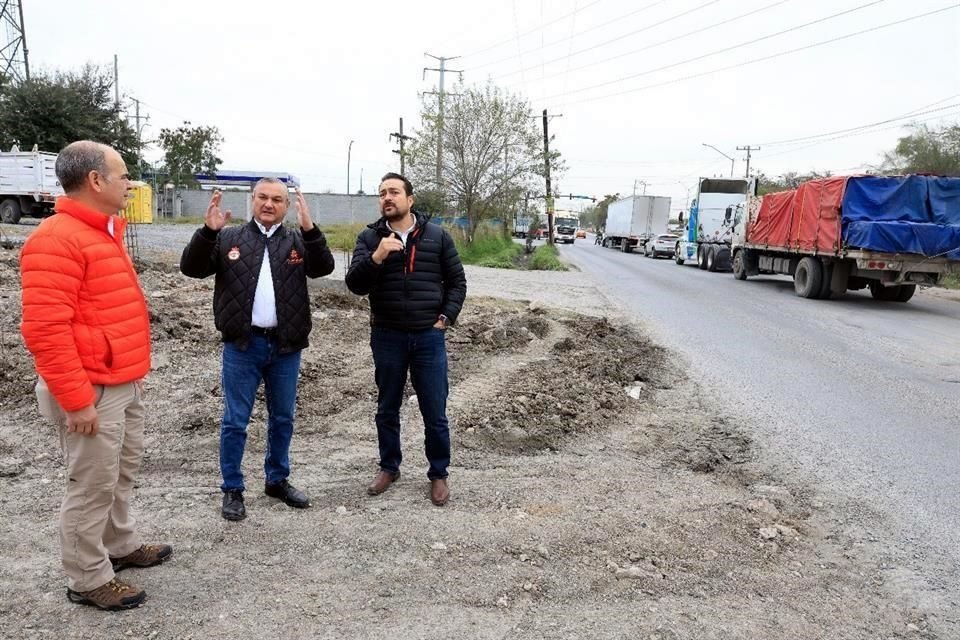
387	246
303	213
214	219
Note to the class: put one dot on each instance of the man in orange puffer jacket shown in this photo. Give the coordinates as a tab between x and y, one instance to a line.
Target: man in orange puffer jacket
85	321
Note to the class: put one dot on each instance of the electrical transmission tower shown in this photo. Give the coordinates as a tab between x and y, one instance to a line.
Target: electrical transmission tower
14	64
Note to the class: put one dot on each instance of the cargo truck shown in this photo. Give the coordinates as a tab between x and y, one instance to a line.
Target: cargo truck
635	220
885	233
709	229
28	184
565	226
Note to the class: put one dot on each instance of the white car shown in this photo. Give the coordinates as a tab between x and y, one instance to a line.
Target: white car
663	245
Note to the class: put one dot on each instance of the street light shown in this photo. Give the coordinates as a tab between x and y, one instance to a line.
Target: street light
732	160
349	148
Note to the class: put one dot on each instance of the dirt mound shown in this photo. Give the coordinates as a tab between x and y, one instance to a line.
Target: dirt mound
578	385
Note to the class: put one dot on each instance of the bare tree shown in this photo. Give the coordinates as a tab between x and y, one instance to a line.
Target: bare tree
492	153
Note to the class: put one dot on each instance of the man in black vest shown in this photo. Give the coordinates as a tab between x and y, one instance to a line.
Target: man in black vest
262	310
413	275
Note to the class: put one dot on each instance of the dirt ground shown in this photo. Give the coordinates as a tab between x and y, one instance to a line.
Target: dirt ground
594	495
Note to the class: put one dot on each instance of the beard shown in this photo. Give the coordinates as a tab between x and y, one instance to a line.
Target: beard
393	214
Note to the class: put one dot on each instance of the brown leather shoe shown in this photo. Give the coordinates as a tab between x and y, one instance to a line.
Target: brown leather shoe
116	595
382	481
148	555
439	492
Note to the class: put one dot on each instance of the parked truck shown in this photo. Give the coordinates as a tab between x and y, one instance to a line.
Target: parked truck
635	220
566	225
709	228
521	226
885	233
28	184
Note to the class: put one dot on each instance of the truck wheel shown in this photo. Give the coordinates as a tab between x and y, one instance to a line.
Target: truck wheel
906	292
825	292
808	277
677	256
10	211
711	259
899	293
739	265
702	257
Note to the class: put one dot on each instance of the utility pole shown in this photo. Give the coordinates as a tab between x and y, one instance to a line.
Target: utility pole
116	84
442	70
139	131
349	149
748	149
403	154
546	164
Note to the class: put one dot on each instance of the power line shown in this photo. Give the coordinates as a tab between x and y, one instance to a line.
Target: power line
723	50
757	60
856	133
663	42
556	42
907	116
526	33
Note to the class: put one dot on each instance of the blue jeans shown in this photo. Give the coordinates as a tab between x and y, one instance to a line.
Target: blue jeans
424	355
241	376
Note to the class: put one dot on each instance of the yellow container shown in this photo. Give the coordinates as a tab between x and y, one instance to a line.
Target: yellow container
140	205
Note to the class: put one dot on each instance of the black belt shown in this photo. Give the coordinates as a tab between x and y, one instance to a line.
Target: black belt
269	332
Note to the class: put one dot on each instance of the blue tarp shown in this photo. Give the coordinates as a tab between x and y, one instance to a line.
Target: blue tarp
911	214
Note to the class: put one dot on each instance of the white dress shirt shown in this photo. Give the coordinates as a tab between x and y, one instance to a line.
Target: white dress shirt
264	301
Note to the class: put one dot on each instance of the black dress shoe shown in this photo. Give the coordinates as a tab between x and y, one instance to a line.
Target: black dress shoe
288	493
233	508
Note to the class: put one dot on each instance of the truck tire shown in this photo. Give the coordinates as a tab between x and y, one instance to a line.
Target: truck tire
808	277
677	256
825	292
906	292
740	265
711	259
702	257
899	293
10	211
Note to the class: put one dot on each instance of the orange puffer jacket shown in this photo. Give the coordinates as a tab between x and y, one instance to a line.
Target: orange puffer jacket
85	318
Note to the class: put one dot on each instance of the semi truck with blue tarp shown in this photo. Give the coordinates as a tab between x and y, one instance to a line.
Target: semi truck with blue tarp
886	233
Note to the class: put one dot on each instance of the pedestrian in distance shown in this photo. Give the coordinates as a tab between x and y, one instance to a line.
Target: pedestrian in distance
262	309
410	269
86	323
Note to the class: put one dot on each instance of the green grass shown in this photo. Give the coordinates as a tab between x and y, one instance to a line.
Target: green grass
546	258
488	249
342	236
952	281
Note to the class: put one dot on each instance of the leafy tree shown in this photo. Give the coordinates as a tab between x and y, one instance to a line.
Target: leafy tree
188	150
786	181
492	154
51	110
926	150
596	215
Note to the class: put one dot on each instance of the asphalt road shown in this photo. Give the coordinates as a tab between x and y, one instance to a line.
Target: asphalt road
861	397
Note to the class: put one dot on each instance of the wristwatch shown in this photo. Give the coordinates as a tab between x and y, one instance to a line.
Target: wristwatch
445	320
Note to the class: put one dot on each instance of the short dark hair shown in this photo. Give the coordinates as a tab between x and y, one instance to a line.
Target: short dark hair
407	187
75	162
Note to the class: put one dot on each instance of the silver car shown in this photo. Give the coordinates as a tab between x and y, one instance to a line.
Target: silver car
663	245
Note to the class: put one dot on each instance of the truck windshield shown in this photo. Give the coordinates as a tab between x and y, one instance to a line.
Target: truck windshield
567	222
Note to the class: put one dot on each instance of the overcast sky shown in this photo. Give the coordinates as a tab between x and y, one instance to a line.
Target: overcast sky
640	84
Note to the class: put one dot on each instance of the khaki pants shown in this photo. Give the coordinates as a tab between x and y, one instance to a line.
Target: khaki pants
95	521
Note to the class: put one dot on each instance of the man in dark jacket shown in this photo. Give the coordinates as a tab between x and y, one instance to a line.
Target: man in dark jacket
412	273
262	310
